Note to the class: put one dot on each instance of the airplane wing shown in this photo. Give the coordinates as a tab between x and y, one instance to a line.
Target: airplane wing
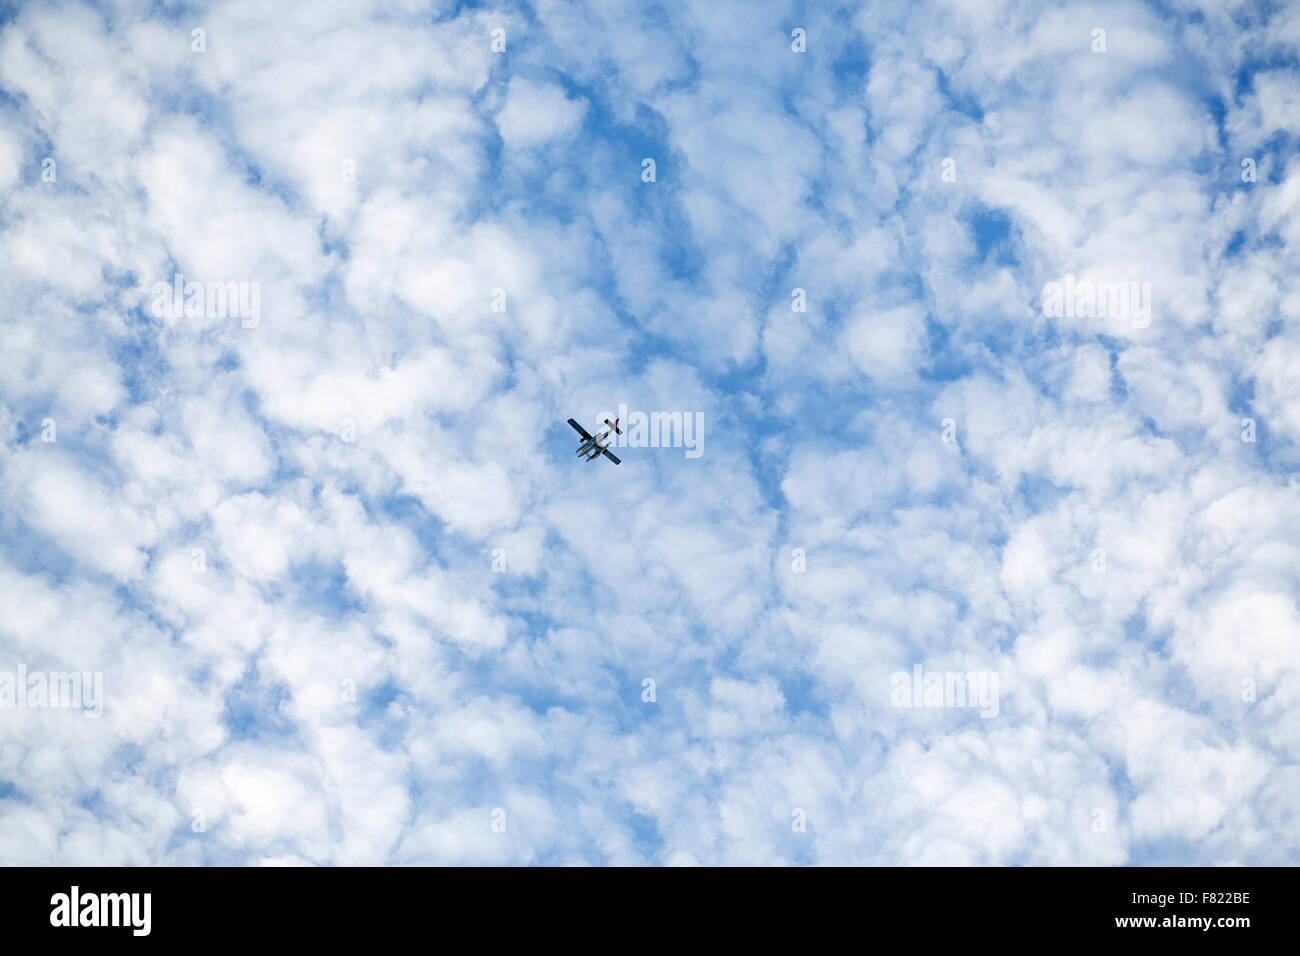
611	457
581	431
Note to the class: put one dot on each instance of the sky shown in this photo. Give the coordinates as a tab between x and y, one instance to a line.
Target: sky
312	533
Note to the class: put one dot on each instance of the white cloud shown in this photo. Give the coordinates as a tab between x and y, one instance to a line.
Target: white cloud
535	113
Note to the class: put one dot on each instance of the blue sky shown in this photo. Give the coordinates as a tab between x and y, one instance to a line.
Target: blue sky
355	601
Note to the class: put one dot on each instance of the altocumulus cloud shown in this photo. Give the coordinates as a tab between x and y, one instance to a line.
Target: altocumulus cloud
354	601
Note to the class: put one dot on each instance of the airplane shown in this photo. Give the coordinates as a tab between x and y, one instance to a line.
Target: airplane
594	446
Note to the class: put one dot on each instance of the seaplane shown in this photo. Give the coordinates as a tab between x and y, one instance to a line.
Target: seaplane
593	446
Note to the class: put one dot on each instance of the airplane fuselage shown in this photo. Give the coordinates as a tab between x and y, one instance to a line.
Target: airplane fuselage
597	443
